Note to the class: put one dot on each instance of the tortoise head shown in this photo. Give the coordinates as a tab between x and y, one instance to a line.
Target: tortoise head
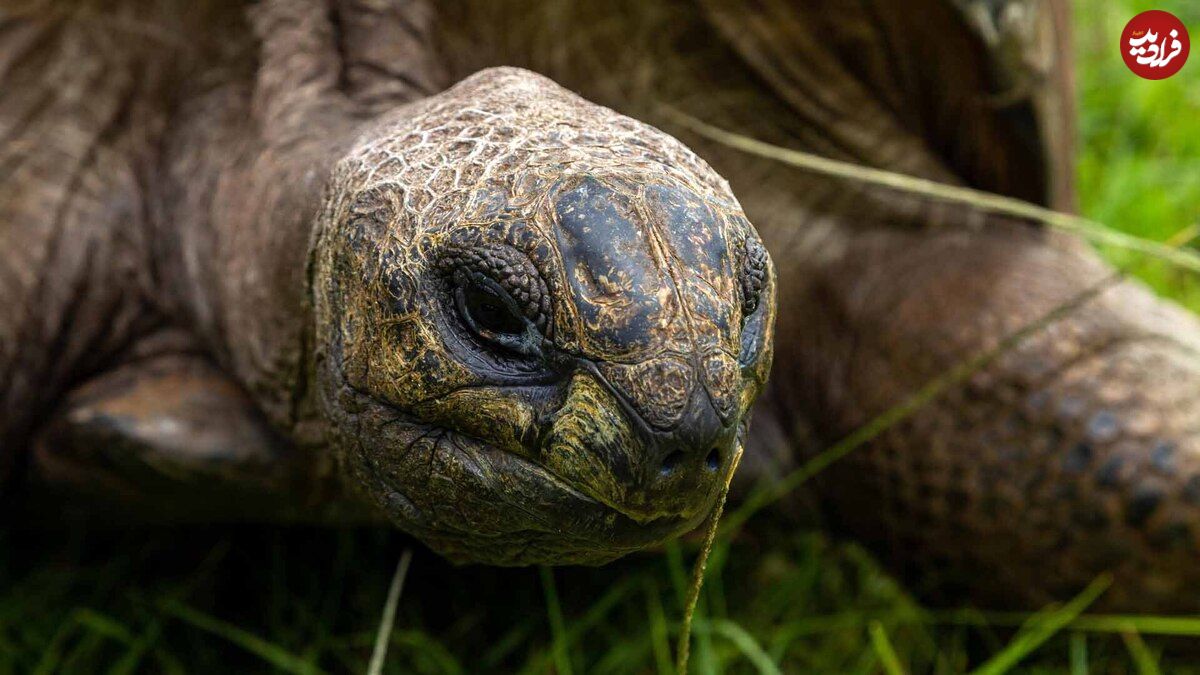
540	324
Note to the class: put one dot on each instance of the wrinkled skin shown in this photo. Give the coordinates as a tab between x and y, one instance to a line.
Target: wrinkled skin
498	334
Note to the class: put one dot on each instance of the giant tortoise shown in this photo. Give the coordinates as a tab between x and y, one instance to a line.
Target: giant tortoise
344	260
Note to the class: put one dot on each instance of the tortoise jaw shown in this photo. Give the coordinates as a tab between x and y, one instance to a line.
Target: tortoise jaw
644	515
539	517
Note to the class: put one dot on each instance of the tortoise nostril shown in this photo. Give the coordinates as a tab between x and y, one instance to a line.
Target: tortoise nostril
670	462
713	461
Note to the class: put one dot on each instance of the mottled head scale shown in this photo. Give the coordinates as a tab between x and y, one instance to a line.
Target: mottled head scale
540	324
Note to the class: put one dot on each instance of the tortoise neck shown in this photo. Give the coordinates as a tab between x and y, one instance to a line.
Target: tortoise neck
252	149
240	211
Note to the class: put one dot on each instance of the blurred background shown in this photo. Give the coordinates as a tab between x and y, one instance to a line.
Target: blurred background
1139	144
251	599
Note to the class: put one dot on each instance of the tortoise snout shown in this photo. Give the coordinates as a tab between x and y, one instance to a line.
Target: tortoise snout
683	418
701	443
685	466
600	443
688	425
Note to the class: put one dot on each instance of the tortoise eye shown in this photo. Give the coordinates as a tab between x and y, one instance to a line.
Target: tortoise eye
498	291
489	313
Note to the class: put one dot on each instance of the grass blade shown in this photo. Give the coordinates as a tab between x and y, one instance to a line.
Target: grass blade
1079	654
659	632
589	620
1143	660
52	655
383	637
558	631
432	652
506	644
988	201
267	651
1042	627
129	662
883	649
1144	624
746	644
104	625
689	607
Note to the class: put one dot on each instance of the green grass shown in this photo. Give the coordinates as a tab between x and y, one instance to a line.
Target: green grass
270	600
1139	150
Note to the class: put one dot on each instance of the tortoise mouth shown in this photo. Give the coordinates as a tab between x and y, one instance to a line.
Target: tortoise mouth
548	519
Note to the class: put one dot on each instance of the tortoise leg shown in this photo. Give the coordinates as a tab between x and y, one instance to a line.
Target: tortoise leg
170	438
1071	451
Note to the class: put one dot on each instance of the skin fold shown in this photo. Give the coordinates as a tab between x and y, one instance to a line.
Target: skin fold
519	324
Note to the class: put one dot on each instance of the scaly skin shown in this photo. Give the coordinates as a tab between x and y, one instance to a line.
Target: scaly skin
1072	454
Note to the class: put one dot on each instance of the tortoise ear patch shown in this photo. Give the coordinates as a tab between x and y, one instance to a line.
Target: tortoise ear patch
753	278
371	215
369	218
